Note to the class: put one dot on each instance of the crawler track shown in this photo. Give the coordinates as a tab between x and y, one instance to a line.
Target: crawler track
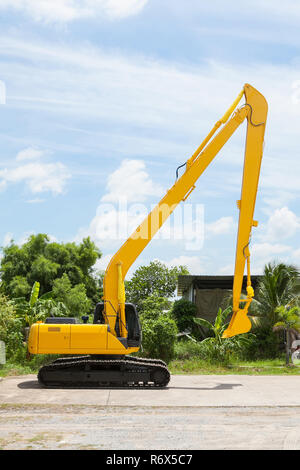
87	371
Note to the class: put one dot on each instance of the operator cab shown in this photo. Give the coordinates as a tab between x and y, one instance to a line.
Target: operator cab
133	326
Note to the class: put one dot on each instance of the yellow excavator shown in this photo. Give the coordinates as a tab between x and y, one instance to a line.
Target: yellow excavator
98	354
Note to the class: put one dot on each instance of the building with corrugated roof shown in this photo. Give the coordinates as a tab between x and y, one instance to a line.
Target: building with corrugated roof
209	293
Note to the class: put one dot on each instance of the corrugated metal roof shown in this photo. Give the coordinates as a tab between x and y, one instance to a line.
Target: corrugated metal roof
210	282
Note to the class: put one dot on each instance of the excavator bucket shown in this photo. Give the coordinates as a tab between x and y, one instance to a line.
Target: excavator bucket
239	323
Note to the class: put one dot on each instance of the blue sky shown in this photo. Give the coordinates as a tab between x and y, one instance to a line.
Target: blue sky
105	98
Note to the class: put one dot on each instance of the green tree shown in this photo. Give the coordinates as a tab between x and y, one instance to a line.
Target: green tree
276	288
39	259
19	287
288	318
156	278
184	312
153	306
159	337
11	328
74	298
158	328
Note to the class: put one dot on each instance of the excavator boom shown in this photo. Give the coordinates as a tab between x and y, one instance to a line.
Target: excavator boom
255	110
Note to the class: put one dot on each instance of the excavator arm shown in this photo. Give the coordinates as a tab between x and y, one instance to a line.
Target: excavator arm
255	112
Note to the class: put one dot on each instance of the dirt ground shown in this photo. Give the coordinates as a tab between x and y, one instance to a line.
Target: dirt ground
194	412
81	427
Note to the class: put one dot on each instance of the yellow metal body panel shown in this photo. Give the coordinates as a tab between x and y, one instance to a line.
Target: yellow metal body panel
91	336
49	338
54	337
33	339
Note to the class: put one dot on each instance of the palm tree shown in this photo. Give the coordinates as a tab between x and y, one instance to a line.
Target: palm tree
289	317
276	288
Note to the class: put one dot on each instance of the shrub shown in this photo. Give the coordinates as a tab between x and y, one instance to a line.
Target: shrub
216	353
263	344
11	330
184	312
212	351
151	279
159	337
74	298
153	306
208	350
187	349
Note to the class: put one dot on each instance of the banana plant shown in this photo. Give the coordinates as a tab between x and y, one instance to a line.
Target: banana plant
217	329
38	308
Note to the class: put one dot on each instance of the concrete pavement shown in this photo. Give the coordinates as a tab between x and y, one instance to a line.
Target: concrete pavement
193	412
182	391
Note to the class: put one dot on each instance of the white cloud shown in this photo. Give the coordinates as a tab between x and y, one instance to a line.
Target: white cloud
170	97
296	256
164	99
221	226
272	11
262	253
195	264
289	10
278	200
7	238
29	153
3	185
23	238
282	224
111	226
227	270
102	263
175	103
120	210
125	206
268	250
63	11
119	8
38	177
45	10
130	182
117	217
35	201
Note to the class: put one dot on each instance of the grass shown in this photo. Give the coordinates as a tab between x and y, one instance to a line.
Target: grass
190	359
12	369
260	367
191	366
